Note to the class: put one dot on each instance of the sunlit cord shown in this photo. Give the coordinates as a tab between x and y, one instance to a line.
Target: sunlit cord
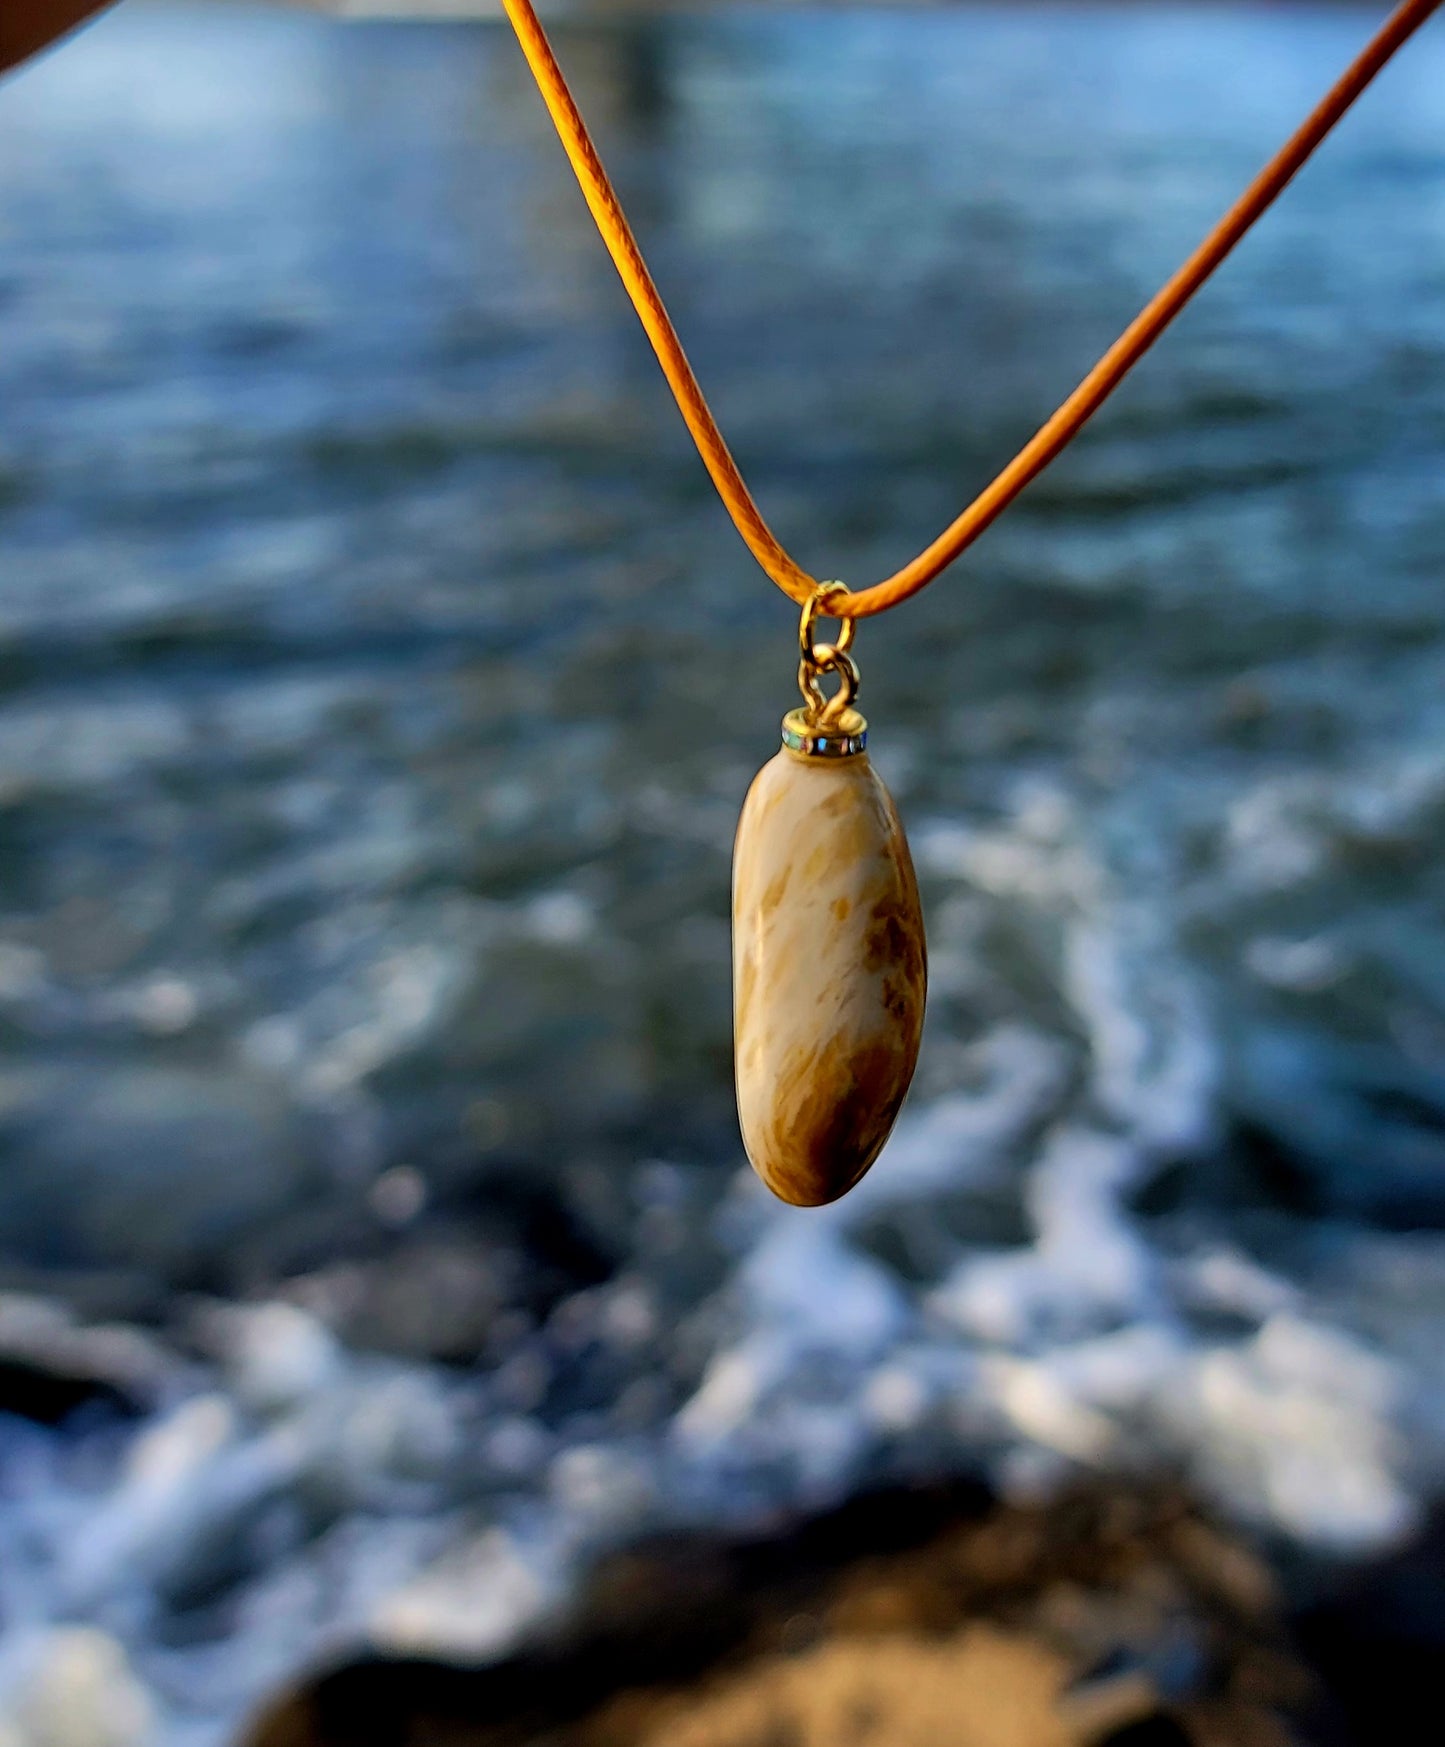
1049	440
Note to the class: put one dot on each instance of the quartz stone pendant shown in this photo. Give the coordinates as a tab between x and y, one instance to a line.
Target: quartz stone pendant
829	972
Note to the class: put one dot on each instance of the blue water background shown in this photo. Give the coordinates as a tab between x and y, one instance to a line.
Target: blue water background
380	680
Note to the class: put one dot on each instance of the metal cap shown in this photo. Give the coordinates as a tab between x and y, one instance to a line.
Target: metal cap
845	738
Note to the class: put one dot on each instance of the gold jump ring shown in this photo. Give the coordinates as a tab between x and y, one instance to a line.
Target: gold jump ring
816	607
828	658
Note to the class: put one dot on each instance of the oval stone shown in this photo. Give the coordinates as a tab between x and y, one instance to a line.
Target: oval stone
829	973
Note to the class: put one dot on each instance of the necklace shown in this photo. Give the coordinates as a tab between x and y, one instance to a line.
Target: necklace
829	962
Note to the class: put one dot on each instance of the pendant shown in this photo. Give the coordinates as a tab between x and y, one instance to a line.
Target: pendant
829	965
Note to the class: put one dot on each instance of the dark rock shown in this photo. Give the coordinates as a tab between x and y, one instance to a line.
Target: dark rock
51	1365
154	1169
32	1392
1375	1640
851	1626
1156	1730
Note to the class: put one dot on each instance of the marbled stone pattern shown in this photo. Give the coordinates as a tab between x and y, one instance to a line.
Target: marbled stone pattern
829	973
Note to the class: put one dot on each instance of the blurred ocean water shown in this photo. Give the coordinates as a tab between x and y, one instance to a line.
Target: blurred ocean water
379	682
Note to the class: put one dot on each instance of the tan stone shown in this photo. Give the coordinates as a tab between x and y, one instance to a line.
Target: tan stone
976	1688
829	973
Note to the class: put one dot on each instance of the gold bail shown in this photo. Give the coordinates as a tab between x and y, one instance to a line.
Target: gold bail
825	727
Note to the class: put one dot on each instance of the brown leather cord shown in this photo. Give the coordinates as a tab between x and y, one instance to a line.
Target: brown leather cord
1049	440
